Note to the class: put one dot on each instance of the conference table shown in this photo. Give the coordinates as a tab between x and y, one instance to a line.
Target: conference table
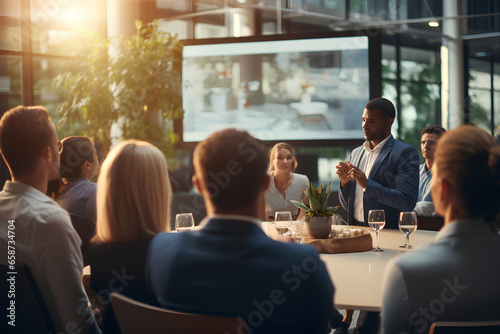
358	276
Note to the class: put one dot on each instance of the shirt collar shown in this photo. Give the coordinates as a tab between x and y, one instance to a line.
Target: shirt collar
366	145
24	189
76	179
425	168
248	219
465	227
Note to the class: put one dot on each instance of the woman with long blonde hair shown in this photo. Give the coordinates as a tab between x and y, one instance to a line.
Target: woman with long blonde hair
133	204
285	184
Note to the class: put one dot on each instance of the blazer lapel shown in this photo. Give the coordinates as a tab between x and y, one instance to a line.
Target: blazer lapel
383	153
357	157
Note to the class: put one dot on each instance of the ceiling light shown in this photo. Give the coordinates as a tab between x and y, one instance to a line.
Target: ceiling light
434	24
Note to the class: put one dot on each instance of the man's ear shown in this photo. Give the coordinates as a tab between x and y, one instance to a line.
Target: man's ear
196	183
389	122
47	154
445	191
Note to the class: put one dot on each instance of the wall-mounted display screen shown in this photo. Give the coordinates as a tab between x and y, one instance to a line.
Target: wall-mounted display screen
279	88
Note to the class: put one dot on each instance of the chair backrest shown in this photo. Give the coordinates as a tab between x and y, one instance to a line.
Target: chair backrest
31	314
458	327
430	223
86	230
137	317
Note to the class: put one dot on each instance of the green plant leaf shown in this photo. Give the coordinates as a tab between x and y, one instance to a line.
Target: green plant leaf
300	206
323	206
315	204
322	197
314	193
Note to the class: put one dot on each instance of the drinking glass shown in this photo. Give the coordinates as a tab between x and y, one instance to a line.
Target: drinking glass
282	222
336	219
184	222
407	225
297	232
376	220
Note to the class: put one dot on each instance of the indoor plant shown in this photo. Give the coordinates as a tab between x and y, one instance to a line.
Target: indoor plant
318	219
137	90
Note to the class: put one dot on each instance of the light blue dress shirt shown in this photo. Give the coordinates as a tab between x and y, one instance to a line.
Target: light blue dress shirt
425	206
424	184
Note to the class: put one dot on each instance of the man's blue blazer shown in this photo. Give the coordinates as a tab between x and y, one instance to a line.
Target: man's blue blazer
392	183
233	268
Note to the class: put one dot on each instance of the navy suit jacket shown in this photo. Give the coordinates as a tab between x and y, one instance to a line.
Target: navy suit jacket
233	268
392	183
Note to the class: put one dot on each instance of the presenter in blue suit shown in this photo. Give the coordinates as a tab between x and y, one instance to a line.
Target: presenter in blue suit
381	174
230	266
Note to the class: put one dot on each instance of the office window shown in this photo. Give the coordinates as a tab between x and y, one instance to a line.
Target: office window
179	27
389	64
45	91
10	82
481	93
420	105
9	26
177	5
480	108
205	30
479	74
496	115
56	25
389	92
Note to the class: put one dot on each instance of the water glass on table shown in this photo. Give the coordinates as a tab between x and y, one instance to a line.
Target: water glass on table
337	219
376	220
184	222
297	232
407	225
282	222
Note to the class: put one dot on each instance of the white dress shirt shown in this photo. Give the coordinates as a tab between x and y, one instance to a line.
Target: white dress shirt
365	164
48	244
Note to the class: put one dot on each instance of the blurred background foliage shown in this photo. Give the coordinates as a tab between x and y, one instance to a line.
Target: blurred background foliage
128	88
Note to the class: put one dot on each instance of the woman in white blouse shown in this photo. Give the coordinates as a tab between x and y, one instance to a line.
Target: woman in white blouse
285	184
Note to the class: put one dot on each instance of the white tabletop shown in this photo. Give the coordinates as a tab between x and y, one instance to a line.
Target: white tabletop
358	276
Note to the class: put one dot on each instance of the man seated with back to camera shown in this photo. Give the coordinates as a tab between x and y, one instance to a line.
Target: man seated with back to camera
45	240
230	267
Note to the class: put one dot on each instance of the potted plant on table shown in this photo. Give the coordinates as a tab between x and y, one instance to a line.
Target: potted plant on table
318	219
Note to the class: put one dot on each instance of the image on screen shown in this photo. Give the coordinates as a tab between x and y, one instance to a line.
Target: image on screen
279	90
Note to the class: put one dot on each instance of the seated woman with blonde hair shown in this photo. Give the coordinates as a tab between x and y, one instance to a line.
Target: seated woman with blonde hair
133	204
455	278
285	184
